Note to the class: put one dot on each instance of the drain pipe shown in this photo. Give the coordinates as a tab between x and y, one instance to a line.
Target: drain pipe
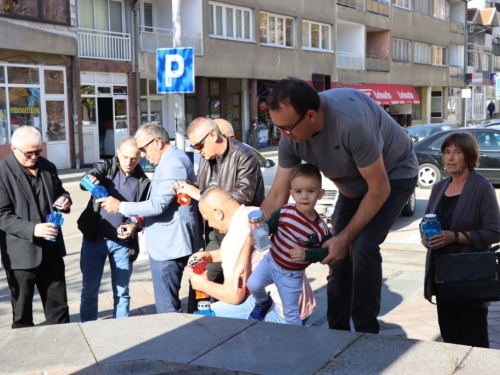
135	10
76	125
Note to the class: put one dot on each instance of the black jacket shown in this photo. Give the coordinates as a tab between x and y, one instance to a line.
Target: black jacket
105	171
19	213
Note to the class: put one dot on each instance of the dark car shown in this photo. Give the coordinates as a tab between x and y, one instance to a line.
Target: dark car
420	132
430	159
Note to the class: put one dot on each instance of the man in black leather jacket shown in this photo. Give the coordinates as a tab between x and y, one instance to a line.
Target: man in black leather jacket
124	179
228	164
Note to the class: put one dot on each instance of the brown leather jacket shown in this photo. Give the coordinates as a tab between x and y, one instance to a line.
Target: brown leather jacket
239	174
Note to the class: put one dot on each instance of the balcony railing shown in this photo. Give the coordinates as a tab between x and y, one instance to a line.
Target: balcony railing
352	3
154	37
105	45
457	28
379	7
377	63
456	72
347	60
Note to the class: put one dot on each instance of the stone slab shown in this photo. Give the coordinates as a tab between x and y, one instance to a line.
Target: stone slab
269	348
44	348
481	361
376	354
167	337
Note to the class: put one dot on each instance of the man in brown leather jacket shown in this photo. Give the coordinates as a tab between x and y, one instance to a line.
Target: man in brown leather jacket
228	164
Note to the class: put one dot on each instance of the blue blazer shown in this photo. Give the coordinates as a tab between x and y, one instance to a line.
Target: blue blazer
172	231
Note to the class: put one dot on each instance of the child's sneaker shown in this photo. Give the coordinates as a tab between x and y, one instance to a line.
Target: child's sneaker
260	310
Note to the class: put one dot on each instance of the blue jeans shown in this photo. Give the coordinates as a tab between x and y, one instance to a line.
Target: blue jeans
243	310
92	260
167	276
355	284
289	284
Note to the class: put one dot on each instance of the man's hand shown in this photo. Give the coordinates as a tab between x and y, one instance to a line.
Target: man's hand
297	253
203	256
63	203
241	273
198	281
110	204
191	190
45	230
338	249
128	231
93	179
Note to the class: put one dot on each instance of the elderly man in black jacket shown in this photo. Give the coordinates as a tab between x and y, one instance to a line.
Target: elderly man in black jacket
228	164
124	179
29	187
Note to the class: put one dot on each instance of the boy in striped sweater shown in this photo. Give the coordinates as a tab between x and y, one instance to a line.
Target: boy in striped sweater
294	227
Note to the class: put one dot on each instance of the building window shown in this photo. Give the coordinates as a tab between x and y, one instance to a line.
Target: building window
316	36
423	6
439	55
406	4
496	62
441	10
436	104
230	22
485	63
422	53
456	55
49	11
400	50
151	102
105	15
148	17
276	30
473	60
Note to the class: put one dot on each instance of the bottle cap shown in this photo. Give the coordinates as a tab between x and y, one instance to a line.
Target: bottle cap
430	217
256	216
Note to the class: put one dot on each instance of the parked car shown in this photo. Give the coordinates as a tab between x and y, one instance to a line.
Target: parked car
422	131
431	169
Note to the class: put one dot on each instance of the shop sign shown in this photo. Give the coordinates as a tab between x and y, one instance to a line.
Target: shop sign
25	110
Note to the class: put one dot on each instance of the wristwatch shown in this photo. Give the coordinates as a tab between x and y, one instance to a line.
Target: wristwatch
455	240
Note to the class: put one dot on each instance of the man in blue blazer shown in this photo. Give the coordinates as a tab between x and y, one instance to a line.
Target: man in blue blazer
171	230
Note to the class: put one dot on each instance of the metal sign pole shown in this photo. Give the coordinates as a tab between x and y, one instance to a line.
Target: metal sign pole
180	129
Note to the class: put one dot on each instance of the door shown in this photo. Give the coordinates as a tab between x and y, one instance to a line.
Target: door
55	129
120	115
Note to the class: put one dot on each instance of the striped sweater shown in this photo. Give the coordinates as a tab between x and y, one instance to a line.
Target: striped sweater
290	228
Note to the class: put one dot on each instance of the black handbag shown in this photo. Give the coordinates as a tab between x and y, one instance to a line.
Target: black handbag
468	276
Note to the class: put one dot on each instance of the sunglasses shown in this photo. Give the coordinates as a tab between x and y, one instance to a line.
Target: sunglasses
145	147
30	154
199	146
289	131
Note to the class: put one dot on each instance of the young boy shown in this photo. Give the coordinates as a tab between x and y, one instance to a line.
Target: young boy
293	226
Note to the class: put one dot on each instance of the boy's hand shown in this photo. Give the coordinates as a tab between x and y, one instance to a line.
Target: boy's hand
298	253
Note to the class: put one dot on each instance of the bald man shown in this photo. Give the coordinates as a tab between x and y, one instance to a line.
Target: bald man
124	179
225	127
226	215
229	164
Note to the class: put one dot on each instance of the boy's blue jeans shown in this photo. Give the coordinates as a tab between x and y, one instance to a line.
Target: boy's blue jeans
92	260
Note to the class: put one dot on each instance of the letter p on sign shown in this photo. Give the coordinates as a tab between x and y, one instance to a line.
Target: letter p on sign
175	70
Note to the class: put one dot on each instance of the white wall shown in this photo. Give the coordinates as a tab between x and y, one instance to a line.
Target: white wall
351	38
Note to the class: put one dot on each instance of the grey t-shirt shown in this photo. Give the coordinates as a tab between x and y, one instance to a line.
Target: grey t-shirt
356	131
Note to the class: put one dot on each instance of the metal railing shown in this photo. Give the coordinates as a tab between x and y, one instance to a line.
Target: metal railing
379	64
379	7
457	28
105	45
155	37
358	4
347	60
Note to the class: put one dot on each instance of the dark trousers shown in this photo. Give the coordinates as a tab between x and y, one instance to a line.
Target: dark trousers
214	270
463	325
491	114
354	284
50	281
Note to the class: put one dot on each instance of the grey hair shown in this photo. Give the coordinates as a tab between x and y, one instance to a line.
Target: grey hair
203	122
128	141
152	128
26	135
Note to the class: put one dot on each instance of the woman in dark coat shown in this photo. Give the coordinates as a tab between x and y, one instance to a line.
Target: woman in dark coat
467	207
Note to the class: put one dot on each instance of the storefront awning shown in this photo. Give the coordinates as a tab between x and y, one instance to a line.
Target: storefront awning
386	94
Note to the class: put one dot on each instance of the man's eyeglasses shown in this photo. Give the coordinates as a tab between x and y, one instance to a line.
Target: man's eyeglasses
145	147
30	154
289	131
199	146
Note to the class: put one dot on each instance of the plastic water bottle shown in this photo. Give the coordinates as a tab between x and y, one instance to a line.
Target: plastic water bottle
204	309
55	218
260	230
97	191
430	226
198	268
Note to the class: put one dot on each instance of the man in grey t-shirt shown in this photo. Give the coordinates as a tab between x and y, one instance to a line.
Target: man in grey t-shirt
369	157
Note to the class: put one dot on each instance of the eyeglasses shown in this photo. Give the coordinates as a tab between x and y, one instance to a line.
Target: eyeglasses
30	154
289	131
199	146
145	147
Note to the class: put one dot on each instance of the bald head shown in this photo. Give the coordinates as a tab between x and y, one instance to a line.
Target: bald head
217	207
225	127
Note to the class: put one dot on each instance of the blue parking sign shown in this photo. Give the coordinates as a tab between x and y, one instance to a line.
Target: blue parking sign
175	70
